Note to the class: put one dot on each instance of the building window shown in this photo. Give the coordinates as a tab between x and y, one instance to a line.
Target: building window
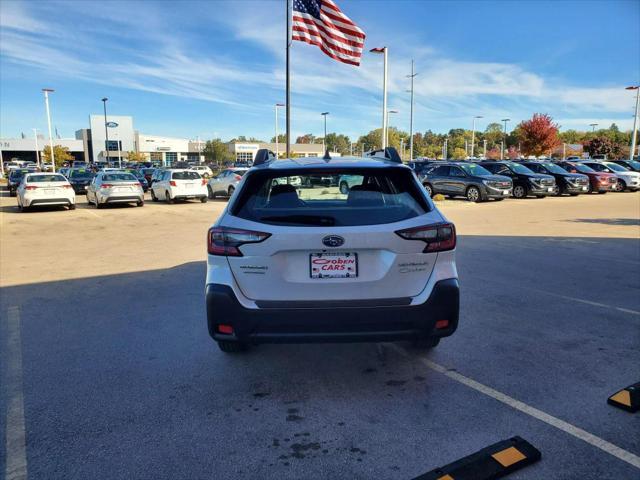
171	157
244	157
155	156
312	154
113	145
193	157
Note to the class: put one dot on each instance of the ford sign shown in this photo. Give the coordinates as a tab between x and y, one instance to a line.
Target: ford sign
333	241
112	124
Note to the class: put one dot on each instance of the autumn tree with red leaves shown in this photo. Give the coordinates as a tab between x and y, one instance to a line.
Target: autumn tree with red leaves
538	136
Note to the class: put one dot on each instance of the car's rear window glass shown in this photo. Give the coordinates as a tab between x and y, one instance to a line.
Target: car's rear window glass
331	198
185	175
240	172
82	173
123	177
45	178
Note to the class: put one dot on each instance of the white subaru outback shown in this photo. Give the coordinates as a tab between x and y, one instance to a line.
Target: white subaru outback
293	263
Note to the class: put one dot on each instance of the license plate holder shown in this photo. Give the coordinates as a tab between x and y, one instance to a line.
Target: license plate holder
333	265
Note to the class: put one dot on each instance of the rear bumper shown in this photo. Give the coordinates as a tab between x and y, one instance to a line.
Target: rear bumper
187	197
360	323
32	202
123	199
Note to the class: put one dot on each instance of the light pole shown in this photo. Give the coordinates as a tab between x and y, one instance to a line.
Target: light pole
445	148
411	114
106	130
386	136
504	137
35	137
635	122
384	52
564	151
401	148
593	127
47	91
473	134
276	125
485	148
324	139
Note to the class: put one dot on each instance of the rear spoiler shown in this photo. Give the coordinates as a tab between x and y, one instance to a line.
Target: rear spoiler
389	153
263	155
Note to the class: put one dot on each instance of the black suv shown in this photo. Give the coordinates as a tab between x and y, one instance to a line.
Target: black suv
15	177
467	180
525	182
80	178
567	183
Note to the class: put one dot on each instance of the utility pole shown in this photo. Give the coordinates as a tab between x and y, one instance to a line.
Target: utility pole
635	122
384	51
35	137
46	104
445	150
411	114
276	126
473	134
564	151
106	130
504	137
485	148
324	139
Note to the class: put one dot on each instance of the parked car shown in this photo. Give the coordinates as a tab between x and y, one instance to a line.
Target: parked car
114	187
633	165
179	184
47	167
141	178
376	264
148	174
64	171
203	170
80	178
421	167
627	180
39	189
15	177
468	180
79	164
600	182
567	183
525	182
225	182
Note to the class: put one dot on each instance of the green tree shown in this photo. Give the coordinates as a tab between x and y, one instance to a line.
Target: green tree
216	151
336	142
136	157
282	138
307	138
60	153
493	135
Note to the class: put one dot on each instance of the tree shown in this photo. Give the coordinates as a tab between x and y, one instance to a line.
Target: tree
493	134
336	142
282	138
600	146
60	153
306	138
216	151
538	136
457	153
136	157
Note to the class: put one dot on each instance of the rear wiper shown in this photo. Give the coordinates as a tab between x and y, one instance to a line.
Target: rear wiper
302	219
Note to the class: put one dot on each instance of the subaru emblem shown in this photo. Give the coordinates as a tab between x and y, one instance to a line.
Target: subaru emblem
333	241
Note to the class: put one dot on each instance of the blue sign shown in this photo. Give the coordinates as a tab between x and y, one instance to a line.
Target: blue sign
112	124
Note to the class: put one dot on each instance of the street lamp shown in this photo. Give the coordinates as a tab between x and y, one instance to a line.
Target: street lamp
411	114
276	109
473	134
386	139
106	129
383	51
635	121
35	137
593	127
324	139
47	91
504	137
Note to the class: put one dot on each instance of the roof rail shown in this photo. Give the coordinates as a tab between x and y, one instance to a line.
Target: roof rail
389	153
263	155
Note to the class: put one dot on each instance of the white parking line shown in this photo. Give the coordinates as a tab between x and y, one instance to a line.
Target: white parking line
583	435
15	445
589	302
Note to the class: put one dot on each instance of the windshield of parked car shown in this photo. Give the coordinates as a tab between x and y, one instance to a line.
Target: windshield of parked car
615	167
186	175
553	168
635	164
473	169
119	177
45	178
331	198
517	168
80	174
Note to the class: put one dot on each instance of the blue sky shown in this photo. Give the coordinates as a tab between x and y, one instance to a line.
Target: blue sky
216	68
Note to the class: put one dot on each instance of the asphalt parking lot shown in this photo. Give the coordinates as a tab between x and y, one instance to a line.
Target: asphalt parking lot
104	343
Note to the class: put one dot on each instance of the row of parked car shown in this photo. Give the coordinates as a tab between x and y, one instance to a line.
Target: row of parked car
486	179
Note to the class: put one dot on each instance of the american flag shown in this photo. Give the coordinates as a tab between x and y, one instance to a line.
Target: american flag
321	23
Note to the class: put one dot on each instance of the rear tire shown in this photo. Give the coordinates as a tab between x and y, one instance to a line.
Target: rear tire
230	191
231	347
204	199
153	196
72	206
168	198
210	192
99	205
519	191
344	188
473	194
426	343
140	203
429	189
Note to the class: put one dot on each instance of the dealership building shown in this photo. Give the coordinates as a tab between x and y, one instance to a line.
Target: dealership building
246	151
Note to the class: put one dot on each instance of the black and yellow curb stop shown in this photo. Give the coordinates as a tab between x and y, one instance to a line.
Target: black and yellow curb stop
495	461
627	399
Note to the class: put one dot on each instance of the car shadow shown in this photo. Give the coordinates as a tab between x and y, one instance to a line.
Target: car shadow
629	222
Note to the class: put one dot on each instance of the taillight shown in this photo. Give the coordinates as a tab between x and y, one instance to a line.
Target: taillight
66	186
238	177
106	185
204	182
173	184
30	187
439	237
225	241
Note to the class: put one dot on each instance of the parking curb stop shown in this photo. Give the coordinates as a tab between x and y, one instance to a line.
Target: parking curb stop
627	399
494	461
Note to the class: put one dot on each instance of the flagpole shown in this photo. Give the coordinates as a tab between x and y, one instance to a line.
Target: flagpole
288	99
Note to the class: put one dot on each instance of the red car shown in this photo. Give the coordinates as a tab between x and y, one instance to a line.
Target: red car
601	182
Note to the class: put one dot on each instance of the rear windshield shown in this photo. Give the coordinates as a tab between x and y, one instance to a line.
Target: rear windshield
45	178
185	175
115	177
339	198
80	174
240	172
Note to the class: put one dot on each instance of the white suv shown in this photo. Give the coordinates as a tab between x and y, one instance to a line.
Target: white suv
315	264
179	184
